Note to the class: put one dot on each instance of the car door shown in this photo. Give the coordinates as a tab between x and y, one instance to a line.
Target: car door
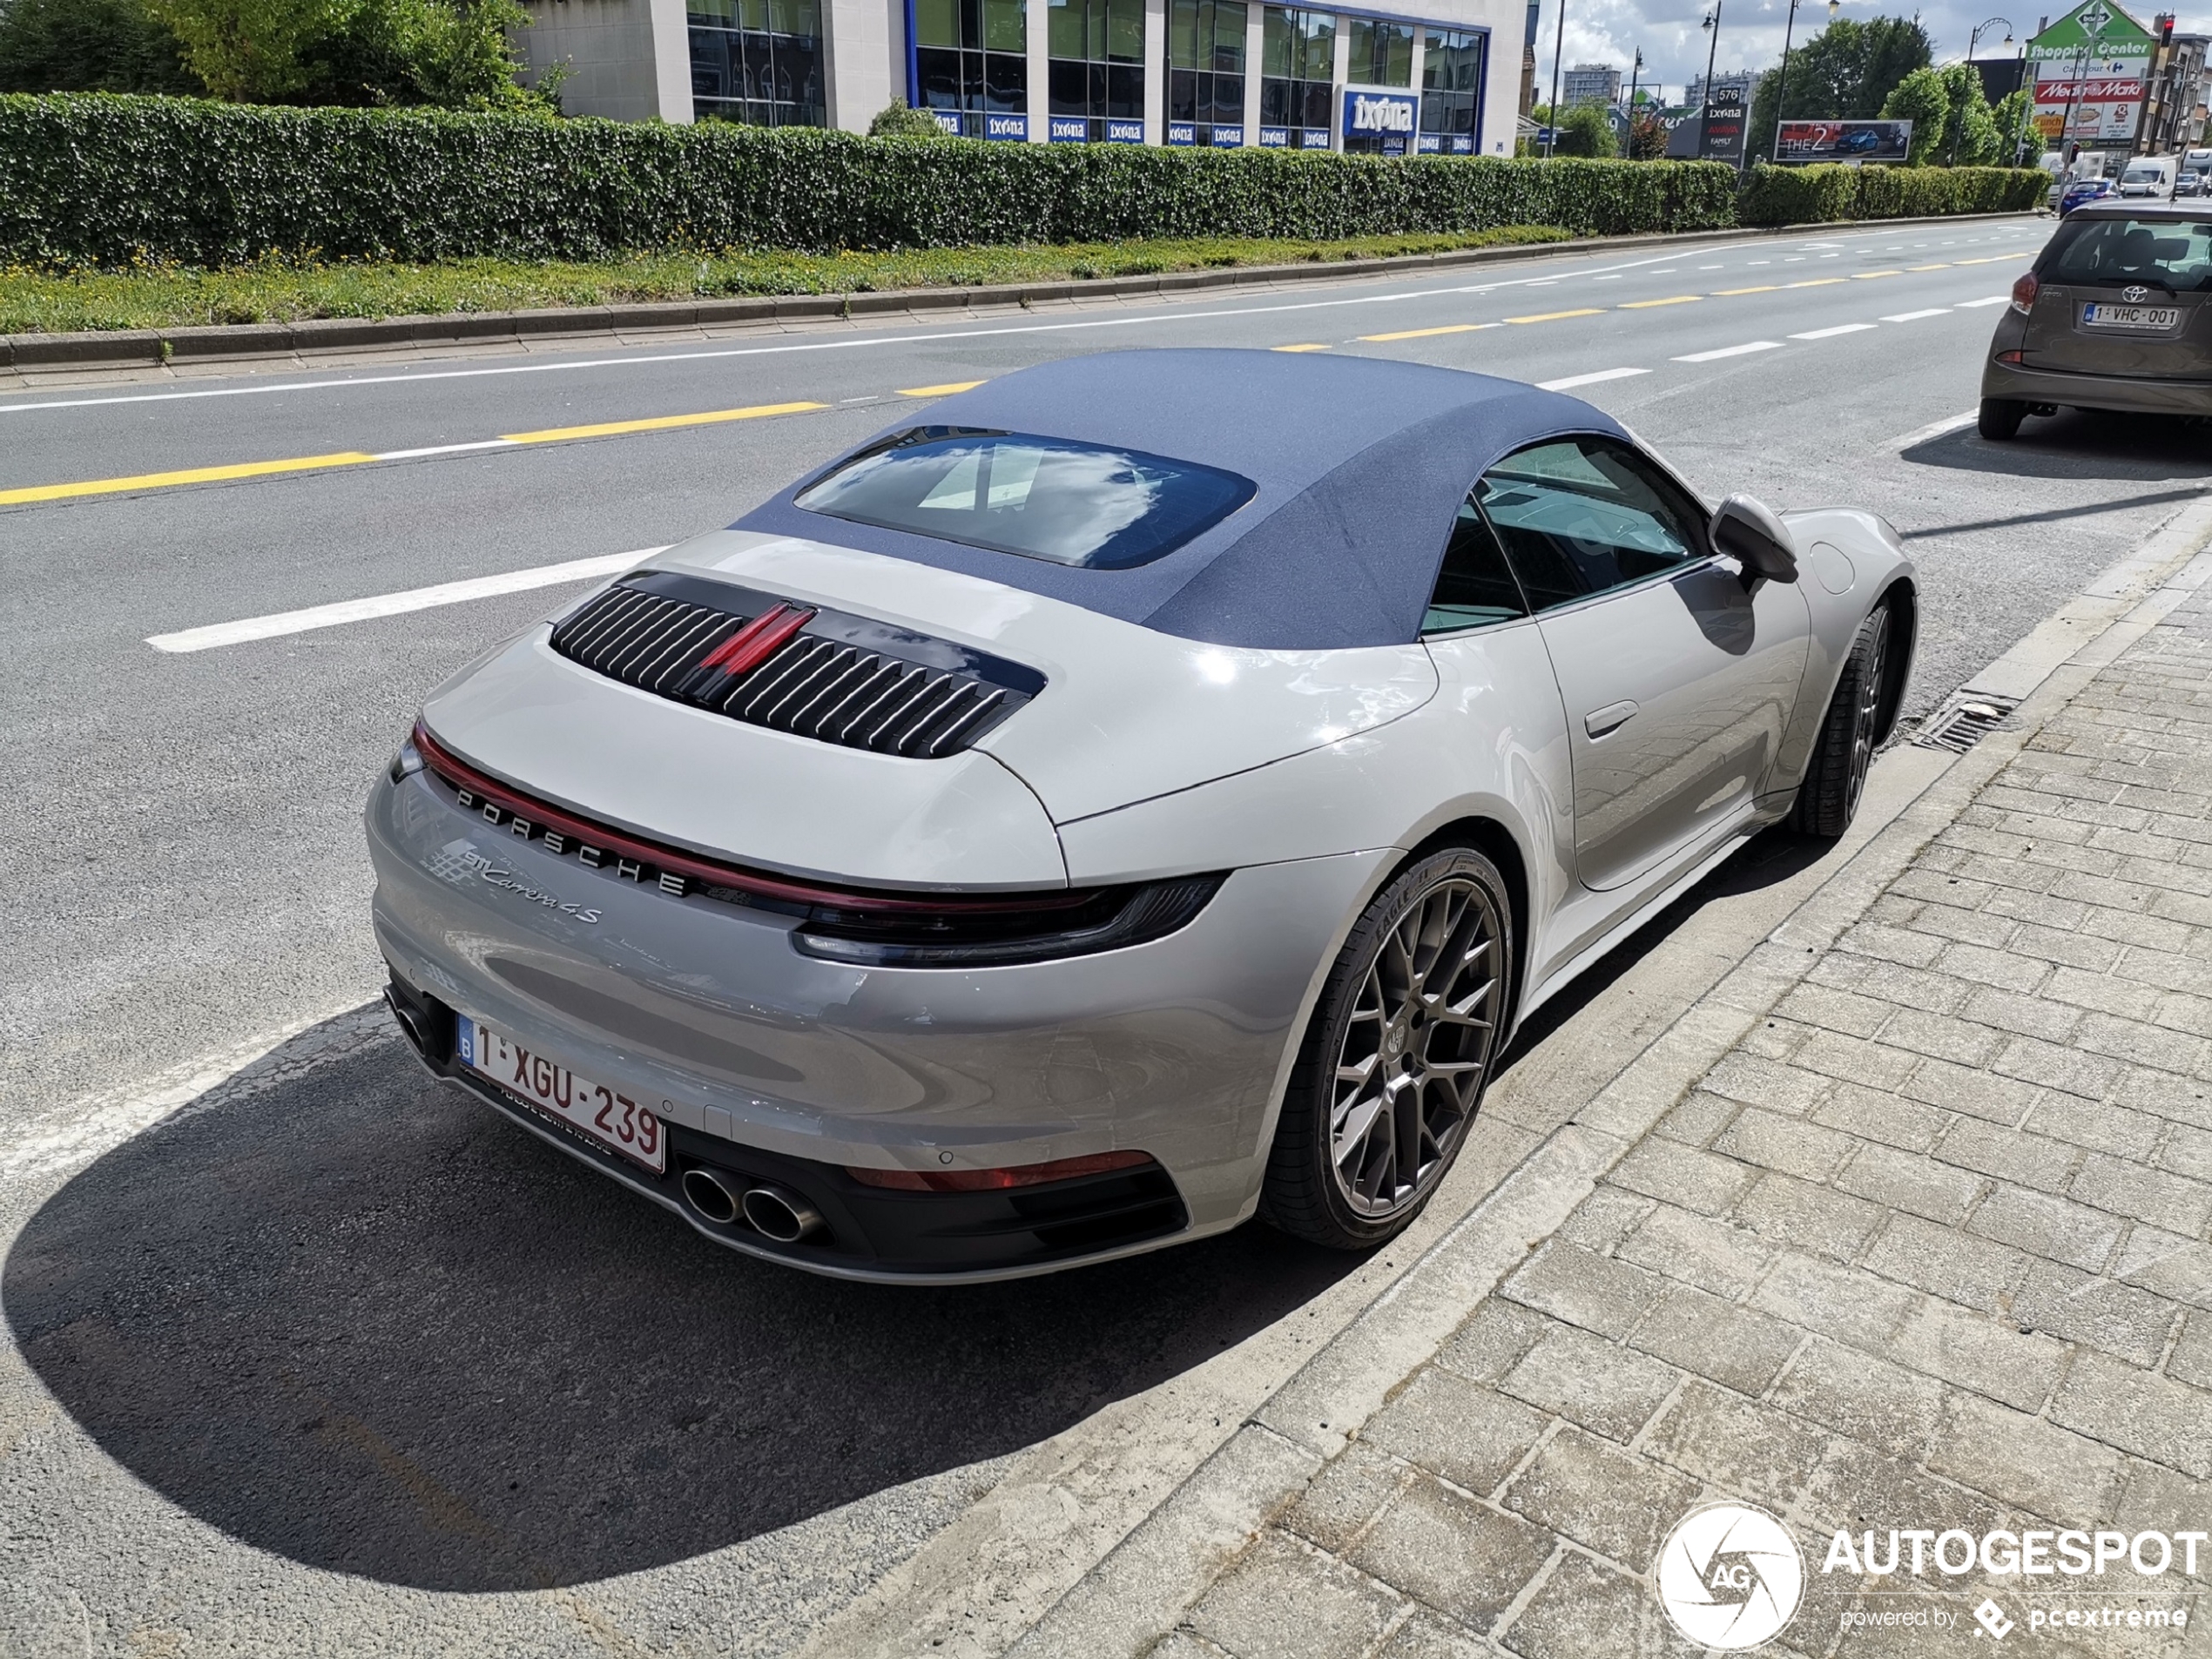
1677	676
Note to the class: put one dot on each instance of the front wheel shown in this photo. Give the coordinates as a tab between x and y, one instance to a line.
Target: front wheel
1828	798
2000	418
1396	1057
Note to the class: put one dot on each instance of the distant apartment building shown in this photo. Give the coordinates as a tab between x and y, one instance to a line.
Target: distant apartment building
1590	84
1218	73
1738	79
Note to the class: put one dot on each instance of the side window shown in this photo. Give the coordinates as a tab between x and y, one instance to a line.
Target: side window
1474	588
1580	516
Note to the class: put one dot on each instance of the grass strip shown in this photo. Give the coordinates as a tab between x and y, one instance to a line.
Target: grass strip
156	296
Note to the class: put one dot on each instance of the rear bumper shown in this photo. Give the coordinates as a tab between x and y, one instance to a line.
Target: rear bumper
780	1067
2027	385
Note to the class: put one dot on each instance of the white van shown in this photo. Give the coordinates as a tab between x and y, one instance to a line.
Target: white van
2150	176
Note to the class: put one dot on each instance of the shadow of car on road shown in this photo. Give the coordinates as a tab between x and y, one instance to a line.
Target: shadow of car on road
2079	444
361	1322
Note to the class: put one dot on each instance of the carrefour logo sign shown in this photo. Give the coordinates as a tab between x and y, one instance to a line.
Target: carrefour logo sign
1377	112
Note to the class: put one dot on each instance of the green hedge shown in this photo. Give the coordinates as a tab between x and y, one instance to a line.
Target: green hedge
1817	194
109	180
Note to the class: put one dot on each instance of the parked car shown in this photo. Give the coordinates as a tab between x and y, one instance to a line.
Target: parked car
2113	316
2084	191
1146	788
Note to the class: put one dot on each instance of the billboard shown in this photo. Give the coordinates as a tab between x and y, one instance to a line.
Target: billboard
2091	71
1720	135
1803	141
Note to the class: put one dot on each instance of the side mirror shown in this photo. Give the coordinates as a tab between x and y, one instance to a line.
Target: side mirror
1749	532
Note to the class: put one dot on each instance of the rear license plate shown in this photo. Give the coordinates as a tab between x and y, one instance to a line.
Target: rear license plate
603	1115
2104	316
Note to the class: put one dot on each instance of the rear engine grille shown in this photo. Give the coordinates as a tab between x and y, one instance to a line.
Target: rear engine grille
823	674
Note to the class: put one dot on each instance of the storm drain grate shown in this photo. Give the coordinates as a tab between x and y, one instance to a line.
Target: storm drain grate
1965	721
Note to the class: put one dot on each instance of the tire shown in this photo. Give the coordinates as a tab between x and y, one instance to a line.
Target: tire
1828	798
2000	418
1387	1083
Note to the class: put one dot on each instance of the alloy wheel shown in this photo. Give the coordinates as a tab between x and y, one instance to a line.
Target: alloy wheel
1416	1046
1868	709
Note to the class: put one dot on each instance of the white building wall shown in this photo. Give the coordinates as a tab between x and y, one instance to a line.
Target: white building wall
609	47
866	46
1500	76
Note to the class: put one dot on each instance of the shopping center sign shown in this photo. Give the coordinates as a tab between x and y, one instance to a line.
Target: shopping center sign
2092	70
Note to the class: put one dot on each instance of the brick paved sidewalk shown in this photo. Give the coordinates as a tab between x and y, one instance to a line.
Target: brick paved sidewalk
1926	1248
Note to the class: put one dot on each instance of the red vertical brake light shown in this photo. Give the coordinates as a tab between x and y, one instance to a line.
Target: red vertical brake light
2024	294
756	642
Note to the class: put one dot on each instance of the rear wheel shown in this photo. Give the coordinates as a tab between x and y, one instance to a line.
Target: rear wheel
1395	1061
2000	417
1828	798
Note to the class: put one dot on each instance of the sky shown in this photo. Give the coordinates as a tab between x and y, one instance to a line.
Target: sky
1609	31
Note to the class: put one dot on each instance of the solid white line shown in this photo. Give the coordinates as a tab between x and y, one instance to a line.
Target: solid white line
1574	381
1933	430
1988	299
1829	334
447	450
1731	351
1915	316
393	605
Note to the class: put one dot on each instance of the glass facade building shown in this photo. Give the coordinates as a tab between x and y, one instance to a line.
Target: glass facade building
1382	53
1206	71
1095	68
1298	69
758	61
1452	65
971	61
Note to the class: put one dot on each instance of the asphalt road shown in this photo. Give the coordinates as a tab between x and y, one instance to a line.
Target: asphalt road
295	1371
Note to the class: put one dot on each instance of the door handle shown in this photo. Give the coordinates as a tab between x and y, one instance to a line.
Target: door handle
1611	718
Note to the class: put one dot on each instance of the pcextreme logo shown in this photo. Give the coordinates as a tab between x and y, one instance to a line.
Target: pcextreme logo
1731	1576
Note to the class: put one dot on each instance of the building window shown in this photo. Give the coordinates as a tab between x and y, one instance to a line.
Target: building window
1382	53
1451	91
1206	71
971	64
1297	67
1096	68
758	61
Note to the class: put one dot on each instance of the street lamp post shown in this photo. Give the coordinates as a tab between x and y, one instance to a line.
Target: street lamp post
2090	37
1782	86
1972	40
1636	79
1705	109
1558	47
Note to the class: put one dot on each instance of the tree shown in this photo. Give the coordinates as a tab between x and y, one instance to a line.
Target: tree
1648	134
88	46
899	120
1847	71
455	54
2010	116
1586	130
1970	136
1922	99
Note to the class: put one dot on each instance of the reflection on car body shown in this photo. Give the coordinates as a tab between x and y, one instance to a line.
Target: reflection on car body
1151	791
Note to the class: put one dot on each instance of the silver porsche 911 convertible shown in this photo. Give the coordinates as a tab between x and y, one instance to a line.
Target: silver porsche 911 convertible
1142	792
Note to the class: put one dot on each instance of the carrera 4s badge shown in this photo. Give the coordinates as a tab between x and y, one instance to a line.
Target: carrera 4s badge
487	871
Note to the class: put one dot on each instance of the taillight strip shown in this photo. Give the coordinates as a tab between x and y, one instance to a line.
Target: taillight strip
459	775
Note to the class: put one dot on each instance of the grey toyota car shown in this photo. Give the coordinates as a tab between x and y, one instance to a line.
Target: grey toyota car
2113	316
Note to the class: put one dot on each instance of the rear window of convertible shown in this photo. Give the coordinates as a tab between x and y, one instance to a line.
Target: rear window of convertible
1044	498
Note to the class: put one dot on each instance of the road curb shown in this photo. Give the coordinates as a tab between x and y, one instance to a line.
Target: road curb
1201	1529
32	355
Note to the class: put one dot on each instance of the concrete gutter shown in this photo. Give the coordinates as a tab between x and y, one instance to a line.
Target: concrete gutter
142	349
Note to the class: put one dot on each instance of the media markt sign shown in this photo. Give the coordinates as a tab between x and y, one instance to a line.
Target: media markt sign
2092	71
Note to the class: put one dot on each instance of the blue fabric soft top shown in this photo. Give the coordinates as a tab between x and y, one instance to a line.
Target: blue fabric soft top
1360	465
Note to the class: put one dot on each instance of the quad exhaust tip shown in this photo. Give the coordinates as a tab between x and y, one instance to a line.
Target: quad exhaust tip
774	1212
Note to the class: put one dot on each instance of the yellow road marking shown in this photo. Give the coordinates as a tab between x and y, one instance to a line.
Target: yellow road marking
1553	316
1423	334
658	423
1868	276
1304	348
189	476
938	391
1671	299
1944	265
1987	259
1814	282
1723	293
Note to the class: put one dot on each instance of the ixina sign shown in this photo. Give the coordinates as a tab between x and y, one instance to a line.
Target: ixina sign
2092	70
